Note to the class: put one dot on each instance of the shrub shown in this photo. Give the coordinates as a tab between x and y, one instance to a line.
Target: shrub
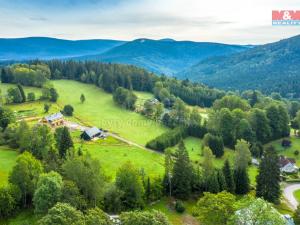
31	97
167	139
179	207
68	110
286	143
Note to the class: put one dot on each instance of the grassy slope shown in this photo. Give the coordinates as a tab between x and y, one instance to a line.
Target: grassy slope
289	152
8	158
5	87
100	110
112	154
297	195
165	205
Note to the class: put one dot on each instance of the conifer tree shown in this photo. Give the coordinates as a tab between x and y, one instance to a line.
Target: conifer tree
242	182
228	175
64	141
182	173
268	179
148	189
221	181
82	98
22	93
168	171
212	183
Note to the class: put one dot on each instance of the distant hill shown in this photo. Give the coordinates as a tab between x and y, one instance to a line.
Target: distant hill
164	56
49	48
270	68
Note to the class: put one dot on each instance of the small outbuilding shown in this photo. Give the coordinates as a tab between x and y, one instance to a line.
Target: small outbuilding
91	133
54	120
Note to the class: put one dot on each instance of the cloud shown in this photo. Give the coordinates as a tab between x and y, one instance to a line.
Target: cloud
231	21
60	4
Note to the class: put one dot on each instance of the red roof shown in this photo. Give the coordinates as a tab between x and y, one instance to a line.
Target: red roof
283	161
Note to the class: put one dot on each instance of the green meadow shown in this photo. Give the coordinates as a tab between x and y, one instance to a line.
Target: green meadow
8	159
36	91
288	152
112	154
100	110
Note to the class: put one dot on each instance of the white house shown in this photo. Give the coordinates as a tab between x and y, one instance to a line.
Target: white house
255	162
287	165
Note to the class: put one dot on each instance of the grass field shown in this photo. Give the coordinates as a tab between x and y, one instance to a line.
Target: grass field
36	91
288	152
32	109
297	195
142	97
166	205
112	154
8	159
100	110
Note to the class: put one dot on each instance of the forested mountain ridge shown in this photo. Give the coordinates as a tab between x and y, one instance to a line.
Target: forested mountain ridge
49	48
164	56
270	68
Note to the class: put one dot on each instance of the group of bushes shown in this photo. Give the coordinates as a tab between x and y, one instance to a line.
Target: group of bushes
17	95
167	139
125	98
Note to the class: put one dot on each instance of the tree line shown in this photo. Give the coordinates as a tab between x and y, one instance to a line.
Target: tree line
57	178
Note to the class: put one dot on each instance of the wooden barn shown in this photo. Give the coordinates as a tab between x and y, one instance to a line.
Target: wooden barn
54	120
91	133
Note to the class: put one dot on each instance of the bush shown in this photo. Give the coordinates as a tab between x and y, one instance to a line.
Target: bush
296	152
125	98
286	143
215	143
167	139
31	97
179	207
68	110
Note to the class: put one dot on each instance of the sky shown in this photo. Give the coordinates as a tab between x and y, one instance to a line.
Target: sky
230	21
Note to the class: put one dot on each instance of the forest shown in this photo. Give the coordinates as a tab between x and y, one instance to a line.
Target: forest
64	185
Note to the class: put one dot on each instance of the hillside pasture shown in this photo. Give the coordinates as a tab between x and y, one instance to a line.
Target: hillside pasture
100	110
288	151
37	91
112	154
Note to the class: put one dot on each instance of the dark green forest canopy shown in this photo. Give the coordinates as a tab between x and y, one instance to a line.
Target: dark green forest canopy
110	77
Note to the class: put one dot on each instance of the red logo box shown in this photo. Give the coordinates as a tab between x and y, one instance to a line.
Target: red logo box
286	15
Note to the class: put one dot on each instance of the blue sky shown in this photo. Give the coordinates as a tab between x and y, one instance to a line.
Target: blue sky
230	21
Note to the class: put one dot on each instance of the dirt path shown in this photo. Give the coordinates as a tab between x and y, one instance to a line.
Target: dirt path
130	142
288	193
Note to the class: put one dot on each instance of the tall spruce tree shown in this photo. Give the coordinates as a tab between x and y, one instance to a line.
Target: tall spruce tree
228	175
242	182
64	141
268	179
212	183
168	171
148	190
221	180
22	93
182	173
